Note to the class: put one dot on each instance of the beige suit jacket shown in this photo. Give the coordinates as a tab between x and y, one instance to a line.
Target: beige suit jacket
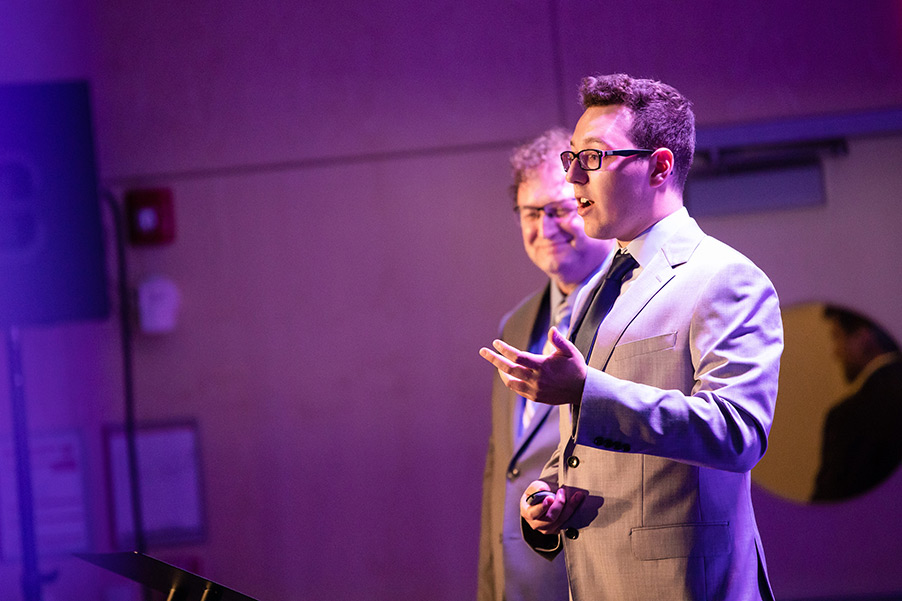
508	569
676	411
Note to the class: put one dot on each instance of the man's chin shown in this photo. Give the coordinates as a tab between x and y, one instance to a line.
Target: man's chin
596	231
551	267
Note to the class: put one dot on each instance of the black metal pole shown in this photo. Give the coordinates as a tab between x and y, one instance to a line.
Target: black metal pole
128	377
125	321
31	576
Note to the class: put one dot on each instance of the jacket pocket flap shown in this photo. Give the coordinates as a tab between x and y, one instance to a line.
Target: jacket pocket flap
681	540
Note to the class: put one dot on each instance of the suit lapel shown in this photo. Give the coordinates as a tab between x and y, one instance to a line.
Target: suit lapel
537	420
660	270
523	324
583	300
583	295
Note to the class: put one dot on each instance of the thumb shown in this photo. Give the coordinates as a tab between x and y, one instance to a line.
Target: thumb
560	342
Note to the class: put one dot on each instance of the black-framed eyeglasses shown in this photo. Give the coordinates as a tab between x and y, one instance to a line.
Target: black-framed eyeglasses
555	210
590	158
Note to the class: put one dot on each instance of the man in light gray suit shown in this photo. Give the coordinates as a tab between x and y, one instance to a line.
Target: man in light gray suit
525	433
648	493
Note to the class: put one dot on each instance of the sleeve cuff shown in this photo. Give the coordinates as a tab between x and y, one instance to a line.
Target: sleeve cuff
546	545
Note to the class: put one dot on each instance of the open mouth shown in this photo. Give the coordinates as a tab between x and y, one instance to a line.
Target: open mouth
584	203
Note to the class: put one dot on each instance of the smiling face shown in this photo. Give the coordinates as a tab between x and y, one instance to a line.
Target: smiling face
558	246
617	200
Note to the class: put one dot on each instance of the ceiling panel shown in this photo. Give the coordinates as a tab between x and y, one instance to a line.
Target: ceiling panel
184	86
744	61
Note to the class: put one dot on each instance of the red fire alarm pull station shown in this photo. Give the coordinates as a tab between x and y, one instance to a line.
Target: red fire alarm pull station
150	215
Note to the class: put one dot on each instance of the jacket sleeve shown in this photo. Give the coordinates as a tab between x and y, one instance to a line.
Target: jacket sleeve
730	333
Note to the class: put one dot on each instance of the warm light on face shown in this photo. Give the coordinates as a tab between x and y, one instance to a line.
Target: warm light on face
612	197
559	211
554	235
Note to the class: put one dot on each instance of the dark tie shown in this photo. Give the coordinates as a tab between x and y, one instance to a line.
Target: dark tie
605	295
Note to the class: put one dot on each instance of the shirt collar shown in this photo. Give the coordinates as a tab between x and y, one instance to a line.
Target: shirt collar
556	296
647	244
869	369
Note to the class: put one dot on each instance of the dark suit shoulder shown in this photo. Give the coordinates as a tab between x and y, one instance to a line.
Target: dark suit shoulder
523	315
879	399
861	445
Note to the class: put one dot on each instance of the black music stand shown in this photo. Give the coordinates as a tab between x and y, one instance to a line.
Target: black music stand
160	576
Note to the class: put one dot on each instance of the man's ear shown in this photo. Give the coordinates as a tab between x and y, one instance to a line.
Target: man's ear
662	164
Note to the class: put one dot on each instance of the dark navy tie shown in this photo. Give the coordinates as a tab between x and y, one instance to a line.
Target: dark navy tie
605	295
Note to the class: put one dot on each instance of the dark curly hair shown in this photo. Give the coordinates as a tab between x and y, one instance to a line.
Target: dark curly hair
663	117
529	156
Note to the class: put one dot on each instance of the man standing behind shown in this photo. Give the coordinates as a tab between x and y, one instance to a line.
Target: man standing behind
525	433
669	386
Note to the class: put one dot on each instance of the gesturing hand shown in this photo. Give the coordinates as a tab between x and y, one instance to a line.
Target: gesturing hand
555	379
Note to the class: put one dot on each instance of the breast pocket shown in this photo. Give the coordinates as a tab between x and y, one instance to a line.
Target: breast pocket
642	347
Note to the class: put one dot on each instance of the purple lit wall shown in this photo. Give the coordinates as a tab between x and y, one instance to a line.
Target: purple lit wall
345	245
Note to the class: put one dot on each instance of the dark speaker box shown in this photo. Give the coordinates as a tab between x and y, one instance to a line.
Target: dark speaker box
52	260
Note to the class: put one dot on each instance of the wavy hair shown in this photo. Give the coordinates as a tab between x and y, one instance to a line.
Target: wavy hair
525	159
662	117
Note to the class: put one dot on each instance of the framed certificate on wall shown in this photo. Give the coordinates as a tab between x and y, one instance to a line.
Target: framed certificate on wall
169	483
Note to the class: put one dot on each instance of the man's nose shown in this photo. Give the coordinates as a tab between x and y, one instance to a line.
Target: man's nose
547	225
576	174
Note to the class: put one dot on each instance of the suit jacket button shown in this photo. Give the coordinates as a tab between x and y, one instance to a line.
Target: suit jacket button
573	461
571	533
